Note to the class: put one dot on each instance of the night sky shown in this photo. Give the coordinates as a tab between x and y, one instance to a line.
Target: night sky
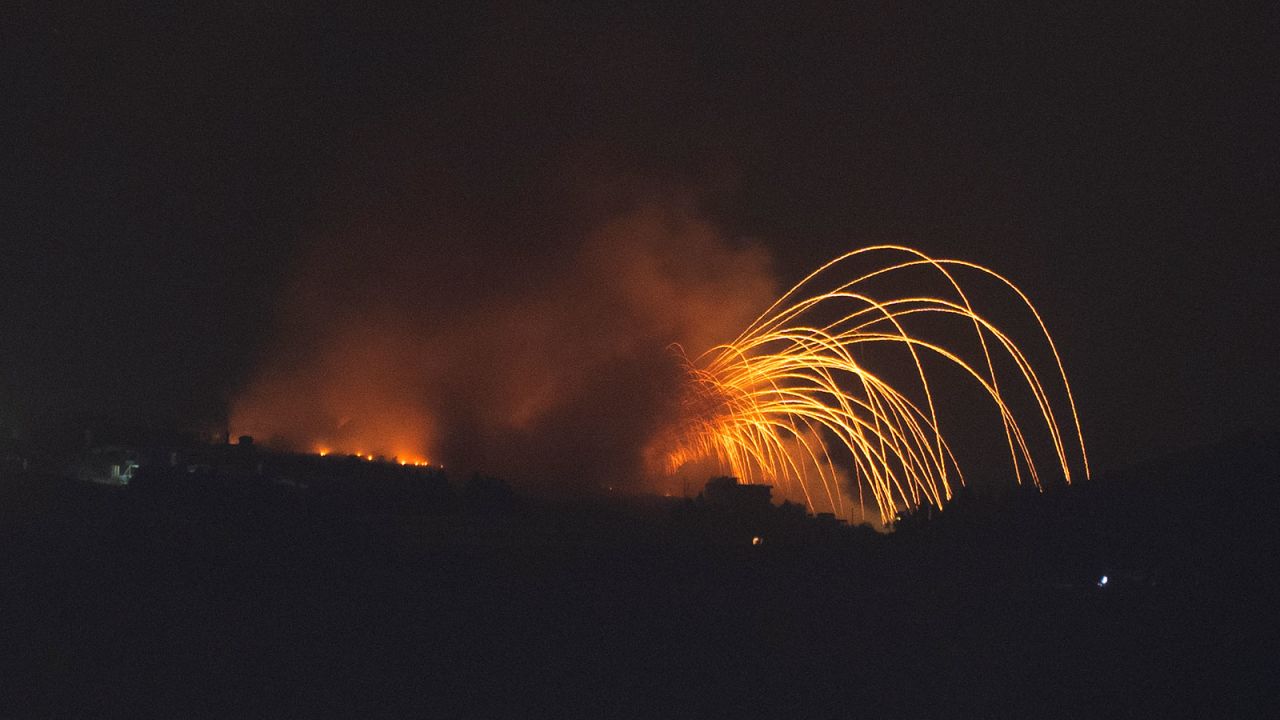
169	176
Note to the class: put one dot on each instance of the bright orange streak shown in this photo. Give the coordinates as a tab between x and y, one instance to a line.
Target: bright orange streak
777	403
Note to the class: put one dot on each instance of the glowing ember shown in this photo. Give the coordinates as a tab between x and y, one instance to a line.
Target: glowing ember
406	459
789	400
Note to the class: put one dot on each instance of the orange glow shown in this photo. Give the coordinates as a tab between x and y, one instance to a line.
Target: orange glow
405	459
378	348
351	403
791	400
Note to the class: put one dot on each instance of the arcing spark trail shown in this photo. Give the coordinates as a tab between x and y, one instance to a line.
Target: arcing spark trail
790	401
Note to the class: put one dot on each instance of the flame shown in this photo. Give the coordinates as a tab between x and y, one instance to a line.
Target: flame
405	459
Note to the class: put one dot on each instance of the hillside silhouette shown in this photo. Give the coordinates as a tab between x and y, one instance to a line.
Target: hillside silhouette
436	597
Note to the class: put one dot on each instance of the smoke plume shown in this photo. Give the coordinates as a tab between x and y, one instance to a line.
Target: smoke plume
544	358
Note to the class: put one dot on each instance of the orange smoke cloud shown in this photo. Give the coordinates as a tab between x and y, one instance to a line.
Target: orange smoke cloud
550	366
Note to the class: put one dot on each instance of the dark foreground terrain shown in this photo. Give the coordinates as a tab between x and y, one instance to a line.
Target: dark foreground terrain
116	602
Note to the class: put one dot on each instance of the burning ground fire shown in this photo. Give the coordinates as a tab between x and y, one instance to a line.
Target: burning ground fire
398	459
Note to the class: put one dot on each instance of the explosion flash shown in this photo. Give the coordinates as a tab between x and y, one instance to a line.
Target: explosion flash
793	399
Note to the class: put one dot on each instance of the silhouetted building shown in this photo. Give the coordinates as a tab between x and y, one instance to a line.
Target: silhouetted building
108	464
728	493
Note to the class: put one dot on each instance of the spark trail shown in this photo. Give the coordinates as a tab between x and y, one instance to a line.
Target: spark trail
794	399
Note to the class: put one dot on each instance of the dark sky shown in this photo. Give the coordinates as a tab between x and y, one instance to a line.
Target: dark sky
165	173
